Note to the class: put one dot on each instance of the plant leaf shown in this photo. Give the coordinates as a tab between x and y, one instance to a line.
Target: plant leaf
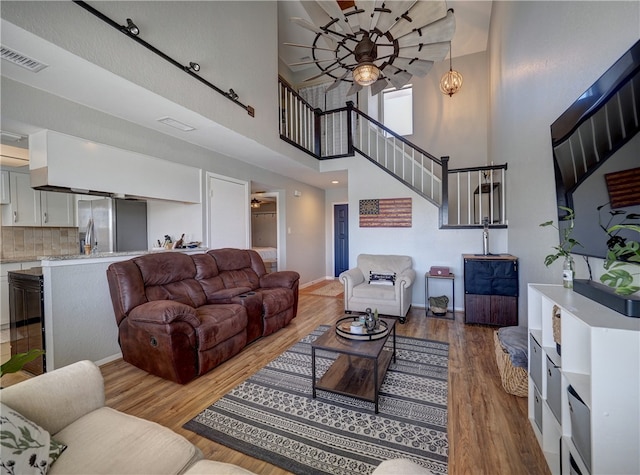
16	362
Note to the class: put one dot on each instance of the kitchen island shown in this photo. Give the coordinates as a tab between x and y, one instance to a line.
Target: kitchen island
78	314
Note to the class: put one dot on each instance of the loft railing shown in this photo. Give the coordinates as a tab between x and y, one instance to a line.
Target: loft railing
465	196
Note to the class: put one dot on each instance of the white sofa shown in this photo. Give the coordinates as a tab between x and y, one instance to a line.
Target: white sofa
68	405
361	293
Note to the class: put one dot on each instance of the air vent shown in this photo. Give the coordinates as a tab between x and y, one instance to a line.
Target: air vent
21	60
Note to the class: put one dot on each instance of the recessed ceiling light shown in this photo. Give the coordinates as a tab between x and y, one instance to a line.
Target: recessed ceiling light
335	182
176	124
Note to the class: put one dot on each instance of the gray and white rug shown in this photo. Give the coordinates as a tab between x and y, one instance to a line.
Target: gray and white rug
272	416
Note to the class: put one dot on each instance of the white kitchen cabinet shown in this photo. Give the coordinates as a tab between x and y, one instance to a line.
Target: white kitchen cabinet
29	207
4	287
5	197
600	360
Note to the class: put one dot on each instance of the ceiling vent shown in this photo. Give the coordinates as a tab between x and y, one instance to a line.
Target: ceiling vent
21	60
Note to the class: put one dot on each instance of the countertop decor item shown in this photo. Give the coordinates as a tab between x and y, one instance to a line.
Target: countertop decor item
343	329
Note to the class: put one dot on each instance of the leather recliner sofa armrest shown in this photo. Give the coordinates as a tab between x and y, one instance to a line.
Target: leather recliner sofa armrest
164	311
283	278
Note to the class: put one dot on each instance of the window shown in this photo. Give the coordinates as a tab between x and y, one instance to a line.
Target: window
397	109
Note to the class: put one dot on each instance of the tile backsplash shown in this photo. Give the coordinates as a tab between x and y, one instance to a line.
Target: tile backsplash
20	241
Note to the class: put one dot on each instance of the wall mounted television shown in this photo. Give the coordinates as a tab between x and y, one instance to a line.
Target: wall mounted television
596	152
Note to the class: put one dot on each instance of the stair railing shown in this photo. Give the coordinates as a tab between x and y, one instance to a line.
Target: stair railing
465	196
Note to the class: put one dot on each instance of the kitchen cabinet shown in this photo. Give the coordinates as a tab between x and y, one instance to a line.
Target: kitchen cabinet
5	198
29	207
491	289
4	287
583	399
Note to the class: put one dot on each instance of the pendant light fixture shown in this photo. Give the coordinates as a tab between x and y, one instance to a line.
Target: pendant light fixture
451	82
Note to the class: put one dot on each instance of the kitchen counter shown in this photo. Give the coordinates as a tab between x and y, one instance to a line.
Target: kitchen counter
98	255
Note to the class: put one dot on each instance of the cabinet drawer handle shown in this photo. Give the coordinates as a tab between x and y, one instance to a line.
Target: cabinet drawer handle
549	371
15	216
46	218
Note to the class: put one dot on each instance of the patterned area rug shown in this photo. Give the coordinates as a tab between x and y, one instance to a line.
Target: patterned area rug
272	416
332	289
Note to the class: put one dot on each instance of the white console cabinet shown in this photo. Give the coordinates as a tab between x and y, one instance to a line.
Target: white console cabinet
599	431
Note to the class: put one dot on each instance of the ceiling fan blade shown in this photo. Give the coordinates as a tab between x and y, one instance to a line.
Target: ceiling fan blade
427	52
354	89
417	67
397	77
307	25
436	32
368	16
387	20
332	9
420	14
336	82
308	46
326	71
312	61
378	86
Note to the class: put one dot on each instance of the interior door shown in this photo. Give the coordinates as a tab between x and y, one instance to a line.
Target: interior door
341	238
229	213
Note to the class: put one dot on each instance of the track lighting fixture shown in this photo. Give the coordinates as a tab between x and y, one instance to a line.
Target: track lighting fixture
132	31
131	28
195	67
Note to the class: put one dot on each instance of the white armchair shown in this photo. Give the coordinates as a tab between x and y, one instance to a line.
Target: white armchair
382	282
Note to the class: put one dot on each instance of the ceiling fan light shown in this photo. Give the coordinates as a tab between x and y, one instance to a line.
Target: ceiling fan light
255	203
451	82
366	74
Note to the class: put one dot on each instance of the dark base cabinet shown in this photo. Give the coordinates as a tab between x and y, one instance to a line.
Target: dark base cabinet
491	290
26	315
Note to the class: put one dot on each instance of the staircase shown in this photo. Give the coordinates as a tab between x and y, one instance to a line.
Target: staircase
466	197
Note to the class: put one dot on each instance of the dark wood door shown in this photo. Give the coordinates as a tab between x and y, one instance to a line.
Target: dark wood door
340	238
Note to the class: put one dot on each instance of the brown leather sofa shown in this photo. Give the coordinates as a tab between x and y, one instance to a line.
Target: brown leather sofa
179	315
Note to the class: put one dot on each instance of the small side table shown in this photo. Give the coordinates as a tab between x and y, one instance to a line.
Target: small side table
450	277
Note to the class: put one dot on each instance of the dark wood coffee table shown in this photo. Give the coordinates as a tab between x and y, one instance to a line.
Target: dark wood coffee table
360	367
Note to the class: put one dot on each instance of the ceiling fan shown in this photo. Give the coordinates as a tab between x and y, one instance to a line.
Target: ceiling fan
376	42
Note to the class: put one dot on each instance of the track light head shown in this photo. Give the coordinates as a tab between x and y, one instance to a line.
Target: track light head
131	28
232	94
195	67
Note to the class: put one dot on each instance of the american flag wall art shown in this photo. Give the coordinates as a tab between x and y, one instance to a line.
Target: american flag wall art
385	213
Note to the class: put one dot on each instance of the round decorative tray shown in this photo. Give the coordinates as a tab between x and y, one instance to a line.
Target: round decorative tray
343	329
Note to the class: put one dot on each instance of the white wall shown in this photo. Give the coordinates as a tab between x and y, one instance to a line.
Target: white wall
423	241
543	56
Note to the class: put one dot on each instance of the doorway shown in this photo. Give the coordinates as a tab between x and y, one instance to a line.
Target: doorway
340	238
265	226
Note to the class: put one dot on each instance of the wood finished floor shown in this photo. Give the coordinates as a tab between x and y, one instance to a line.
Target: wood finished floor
489	432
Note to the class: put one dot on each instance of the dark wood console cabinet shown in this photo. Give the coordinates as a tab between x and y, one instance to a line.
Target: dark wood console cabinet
26	315
491	289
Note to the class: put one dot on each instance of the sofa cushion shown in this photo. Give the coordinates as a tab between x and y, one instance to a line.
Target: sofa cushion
383	263
235	267
108	441
375	292
219	322
26	447
170	276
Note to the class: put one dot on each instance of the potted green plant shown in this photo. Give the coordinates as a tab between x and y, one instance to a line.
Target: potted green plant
622	254
16	362
567	243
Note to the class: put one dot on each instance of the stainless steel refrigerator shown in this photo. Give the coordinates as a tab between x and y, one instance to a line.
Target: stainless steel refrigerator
113	224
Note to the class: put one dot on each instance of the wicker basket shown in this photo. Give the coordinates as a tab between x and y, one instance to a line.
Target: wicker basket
514	379
556	324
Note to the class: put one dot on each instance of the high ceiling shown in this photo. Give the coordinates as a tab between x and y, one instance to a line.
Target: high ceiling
89	83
